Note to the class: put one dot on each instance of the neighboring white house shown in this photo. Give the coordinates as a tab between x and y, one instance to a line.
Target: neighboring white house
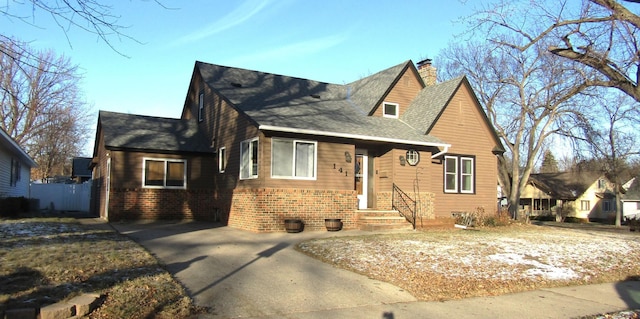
15	168
631	199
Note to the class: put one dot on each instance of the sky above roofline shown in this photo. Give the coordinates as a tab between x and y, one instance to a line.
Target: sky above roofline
330	41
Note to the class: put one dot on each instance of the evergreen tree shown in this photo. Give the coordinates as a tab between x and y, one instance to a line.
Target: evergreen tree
549	163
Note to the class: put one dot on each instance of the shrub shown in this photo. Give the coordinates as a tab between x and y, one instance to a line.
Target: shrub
13	206
500	218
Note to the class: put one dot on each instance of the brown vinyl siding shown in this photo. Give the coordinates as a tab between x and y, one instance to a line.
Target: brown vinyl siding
402	93
462	124
126	169
329	155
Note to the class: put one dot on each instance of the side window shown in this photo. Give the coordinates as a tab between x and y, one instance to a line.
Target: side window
450	174
585	205
164	173
222	159
467	175
15	172
459	174
249	159
200	107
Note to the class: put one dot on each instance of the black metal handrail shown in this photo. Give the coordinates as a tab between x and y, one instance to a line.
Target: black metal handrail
404	204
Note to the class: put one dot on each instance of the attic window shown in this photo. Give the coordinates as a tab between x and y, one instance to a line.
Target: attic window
390	110
236	84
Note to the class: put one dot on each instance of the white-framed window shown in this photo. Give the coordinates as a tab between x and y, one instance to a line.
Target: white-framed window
164	173
467	175
294	159
450	174
585	205
249	158
390	110
200	107
459	174
602	183
222	159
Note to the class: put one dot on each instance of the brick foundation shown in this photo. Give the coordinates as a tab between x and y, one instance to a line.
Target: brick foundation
171	204
259	210
265	209
425	203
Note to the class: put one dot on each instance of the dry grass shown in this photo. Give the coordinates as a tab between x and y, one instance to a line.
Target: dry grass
453	264
43	261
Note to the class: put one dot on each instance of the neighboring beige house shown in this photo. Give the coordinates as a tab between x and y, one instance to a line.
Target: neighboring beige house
631	199
582	195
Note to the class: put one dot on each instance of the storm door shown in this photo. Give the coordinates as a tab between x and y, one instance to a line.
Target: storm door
362	178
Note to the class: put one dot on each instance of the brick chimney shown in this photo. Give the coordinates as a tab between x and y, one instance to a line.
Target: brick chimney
427	72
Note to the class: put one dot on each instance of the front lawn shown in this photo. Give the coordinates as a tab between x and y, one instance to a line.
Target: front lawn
453	264
43	261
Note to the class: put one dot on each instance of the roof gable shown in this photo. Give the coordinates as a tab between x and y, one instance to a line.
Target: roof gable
147	133
430	104
13	147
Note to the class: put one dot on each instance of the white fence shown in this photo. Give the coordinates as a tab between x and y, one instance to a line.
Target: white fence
63	197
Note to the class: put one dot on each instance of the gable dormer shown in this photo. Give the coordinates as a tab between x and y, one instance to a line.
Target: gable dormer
399	95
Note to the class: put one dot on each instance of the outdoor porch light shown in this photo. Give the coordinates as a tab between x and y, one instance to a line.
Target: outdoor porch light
347	157
403	161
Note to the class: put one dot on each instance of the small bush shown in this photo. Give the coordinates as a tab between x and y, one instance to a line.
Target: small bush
13	206
500	218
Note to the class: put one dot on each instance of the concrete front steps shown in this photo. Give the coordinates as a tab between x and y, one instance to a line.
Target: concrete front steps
380	220
375	220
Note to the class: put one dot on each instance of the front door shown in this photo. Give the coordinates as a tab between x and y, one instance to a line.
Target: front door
361	176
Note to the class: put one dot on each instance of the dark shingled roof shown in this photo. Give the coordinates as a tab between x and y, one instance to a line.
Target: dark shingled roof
430	102
633	192
565	185
283	103
147	133
367	92
80	166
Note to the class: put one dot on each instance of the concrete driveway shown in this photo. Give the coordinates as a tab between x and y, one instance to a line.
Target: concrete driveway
242	274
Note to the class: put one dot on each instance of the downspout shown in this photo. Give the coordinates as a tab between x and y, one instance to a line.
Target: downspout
446	149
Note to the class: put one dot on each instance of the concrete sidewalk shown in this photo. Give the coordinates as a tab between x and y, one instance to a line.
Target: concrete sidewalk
242	274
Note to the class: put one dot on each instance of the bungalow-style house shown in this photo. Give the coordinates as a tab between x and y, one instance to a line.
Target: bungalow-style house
631	199
15	168
252	149
581	195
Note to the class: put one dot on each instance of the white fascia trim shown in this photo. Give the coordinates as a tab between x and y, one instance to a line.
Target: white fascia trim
13	146
352	136
446	149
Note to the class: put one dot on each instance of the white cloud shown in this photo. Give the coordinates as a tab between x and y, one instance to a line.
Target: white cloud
244	12
290	51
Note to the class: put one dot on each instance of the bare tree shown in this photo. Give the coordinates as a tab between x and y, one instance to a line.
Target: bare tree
608	133
599	34
527	96
41	107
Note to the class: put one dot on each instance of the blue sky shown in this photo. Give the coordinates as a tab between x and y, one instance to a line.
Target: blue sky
336	41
